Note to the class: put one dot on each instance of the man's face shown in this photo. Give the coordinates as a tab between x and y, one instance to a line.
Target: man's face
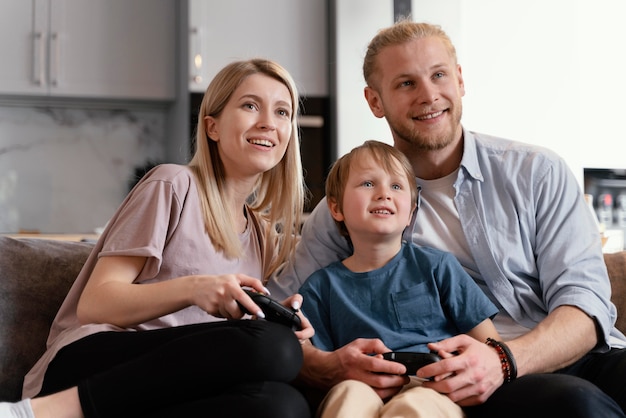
417	87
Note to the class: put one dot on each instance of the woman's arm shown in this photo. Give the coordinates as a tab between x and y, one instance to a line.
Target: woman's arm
110	296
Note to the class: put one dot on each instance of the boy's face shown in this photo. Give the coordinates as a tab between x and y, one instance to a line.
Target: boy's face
375	202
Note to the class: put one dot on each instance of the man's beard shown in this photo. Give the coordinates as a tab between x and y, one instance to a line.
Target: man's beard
423	140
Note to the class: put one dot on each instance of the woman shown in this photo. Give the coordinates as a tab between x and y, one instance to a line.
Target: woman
138	334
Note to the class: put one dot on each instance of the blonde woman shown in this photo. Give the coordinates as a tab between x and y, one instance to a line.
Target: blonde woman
142	331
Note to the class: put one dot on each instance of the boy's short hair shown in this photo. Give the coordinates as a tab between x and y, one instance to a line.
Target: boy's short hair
384	154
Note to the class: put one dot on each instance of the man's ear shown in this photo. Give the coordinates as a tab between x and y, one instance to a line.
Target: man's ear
211	128
374	102
335	212
461	82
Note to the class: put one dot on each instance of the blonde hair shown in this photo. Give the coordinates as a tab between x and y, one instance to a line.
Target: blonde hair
279	195
384	154
401	32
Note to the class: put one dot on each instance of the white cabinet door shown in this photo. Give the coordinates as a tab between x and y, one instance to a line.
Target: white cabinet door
22	46
112	49
292	32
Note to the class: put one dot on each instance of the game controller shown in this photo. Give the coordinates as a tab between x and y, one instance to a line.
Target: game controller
413	361
274	311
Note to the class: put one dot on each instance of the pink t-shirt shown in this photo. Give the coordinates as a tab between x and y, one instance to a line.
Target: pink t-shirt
161	220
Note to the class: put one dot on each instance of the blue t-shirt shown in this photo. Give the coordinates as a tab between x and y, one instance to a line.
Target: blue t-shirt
422	295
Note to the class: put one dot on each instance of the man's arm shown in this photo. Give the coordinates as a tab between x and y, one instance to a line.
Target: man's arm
574	286
572	275
324	369
559	340
320	245
562	338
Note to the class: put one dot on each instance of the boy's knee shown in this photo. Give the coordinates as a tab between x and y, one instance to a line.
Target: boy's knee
350	398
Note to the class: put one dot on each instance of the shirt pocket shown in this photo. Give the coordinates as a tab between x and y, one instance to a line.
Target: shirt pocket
416	308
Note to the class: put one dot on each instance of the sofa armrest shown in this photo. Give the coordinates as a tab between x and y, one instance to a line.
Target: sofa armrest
616	267
35	276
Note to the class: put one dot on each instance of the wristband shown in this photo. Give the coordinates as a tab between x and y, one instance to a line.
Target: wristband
509	368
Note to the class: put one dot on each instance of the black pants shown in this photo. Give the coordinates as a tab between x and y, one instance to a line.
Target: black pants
223	369
593	387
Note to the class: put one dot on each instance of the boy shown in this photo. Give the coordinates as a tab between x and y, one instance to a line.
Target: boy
389	289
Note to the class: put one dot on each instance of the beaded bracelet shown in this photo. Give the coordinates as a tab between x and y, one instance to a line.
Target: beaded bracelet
509	368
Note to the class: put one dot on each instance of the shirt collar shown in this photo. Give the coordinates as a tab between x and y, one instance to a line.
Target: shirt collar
469	162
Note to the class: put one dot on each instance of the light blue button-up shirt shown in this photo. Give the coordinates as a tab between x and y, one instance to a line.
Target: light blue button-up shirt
529	230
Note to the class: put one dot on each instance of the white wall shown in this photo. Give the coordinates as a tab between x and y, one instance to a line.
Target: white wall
356	23
544	72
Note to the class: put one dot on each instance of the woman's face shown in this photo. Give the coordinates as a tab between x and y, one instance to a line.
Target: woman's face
253	130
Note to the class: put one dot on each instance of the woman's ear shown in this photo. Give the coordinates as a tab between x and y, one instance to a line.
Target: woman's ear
211	128
335	211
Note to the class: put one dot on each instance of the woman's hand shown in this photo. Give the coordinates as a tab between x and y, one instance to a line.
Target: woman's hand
218	295
307	331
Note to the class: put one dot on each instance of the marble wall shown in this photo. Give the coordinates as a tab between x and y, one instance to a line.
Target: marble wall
66	170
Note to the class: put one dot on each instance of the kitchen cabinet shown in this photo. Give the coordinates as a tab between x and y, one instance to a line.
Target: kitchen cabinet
113	49
291	32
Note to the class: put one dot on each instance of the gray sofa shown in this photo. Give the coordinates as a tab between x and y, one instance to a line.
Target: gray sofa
35	275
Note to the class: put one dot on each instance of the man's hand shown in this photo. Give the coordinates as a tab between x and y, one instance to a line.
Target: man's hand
478	371
468	378
354	361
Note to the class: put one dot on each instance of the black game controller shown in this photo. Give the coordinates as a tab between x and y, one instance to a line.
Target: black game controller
274	311
412	360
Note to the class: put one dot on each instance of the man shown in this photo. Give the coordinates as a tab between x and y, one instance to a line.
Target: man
514	216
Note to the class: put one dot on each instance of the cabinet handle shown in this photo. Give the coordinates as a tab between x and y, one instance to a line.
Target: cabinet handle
38	59
195	38
54	59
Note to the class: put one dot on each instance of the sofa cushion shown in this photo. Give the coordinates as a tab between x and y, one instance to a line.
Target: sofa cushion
35	276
